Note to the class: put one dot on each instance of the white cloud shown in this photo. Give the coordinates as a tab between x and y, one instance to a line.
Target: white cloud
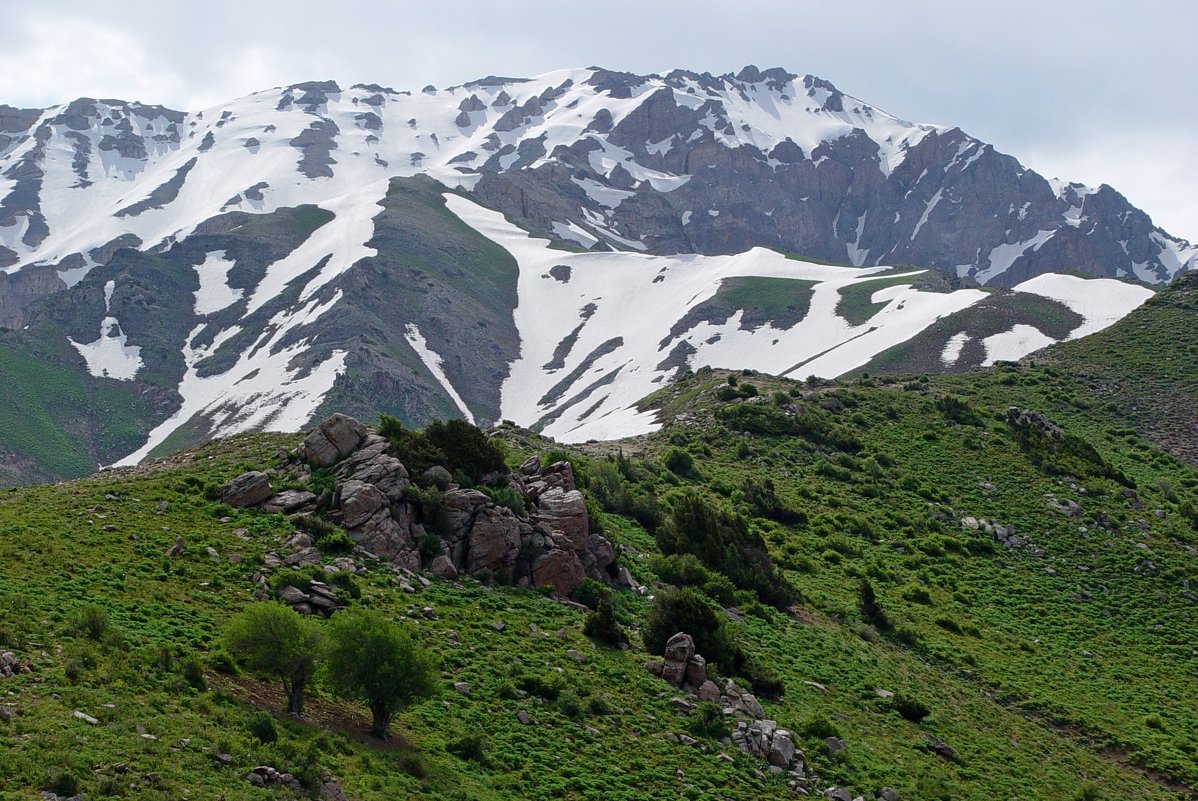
40	56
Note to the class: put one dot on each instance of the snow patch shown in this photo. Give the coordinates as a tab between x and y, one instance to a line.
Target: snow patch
1014	344
1101	302
436	365
952	349
110	356
215	293
574	233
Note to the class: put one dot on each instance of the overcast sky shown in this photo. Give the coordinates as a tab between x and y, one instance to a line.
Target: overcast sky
1088	90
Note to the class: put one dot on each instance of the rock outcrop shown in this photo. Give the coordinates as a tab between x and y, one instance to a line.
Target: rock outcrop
459	531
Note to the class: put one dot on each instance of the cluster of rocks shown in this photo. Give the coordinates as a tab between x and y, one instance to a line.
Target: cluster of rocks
550	545
764	739
1003	535
11	666
753	734
266	776
1067	507
317	598
682	666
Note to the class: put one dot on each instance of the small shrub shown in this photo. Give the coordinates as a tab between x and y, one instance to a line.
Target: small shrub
590	593
871	609
680	463
818	727
61	783
909	708
411	763
261	726
337	542
345	581
601	626
918	595
549	688
597	707
90	621
708	721
473	747
570	705
193	673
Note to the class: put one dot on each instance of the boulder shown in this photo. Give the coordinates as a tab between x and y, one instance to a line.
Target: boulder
679	650
443	566
359	502
333	440
289	501
248	489
782	749
494	540
565	511
558	568
696	671
708	691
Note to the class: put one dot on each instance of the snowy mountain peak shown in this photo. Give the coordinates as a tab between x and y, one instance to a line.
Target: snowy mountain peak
230	265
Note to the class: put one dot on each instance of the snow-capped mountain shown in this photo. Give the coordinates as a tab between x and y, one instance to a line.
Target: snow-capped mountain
545	250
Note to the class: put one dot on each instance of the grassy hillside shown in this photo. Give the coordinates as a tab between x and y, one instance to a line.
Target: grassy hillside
1059	669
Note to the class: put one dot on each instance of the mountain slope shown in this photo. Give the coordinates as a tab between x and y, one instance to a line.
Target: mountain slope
310	248
1053	658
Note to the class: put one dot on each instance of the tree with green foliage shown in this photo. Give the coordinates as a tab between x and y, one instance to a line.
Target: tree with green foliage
274	639
871	610
454	444
375	660
724	542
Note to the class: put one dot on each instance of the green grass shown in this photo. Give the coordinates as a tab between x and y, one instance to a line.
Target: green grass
781	302
855	304
1062	665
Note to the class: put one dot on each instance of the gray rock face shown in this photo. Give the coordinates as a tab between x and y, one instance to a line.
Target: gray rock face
334	439
248	489
680	648
553	547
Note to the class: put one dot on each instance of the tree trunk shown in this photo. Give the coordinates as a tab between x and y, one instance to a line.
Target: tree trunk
380	721
295	696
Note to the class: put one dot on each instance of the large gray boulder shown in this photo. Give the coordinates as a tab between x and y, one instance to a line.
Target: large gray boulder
333	440
494	540
248	489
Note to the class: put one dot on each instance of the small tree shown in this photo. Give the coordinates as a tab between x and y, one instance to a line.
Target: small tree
275	639
871	610
376	661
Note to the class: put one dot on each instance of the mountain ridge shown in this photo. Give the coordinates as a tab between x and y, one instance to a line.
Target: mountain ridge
309	248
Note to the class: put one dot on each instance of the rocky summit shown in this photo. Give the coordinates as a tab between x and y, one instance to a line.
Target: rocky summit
546	250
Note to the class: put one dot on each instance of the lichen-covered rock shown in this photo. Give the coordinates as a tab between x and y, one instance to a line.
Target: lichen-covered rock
334	439
494	540
558	568
679	650
248	489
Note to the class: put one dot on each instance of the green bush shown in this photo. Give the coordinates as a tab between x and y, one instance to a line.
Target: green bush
453	444
909	708
680	463
336	542
724	543
708	720
590	593
601	626
89	621
473	747
261	726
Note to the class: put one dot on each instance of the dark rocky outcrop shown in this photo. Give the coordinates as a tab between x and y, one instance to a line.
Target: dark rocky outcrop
466	532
